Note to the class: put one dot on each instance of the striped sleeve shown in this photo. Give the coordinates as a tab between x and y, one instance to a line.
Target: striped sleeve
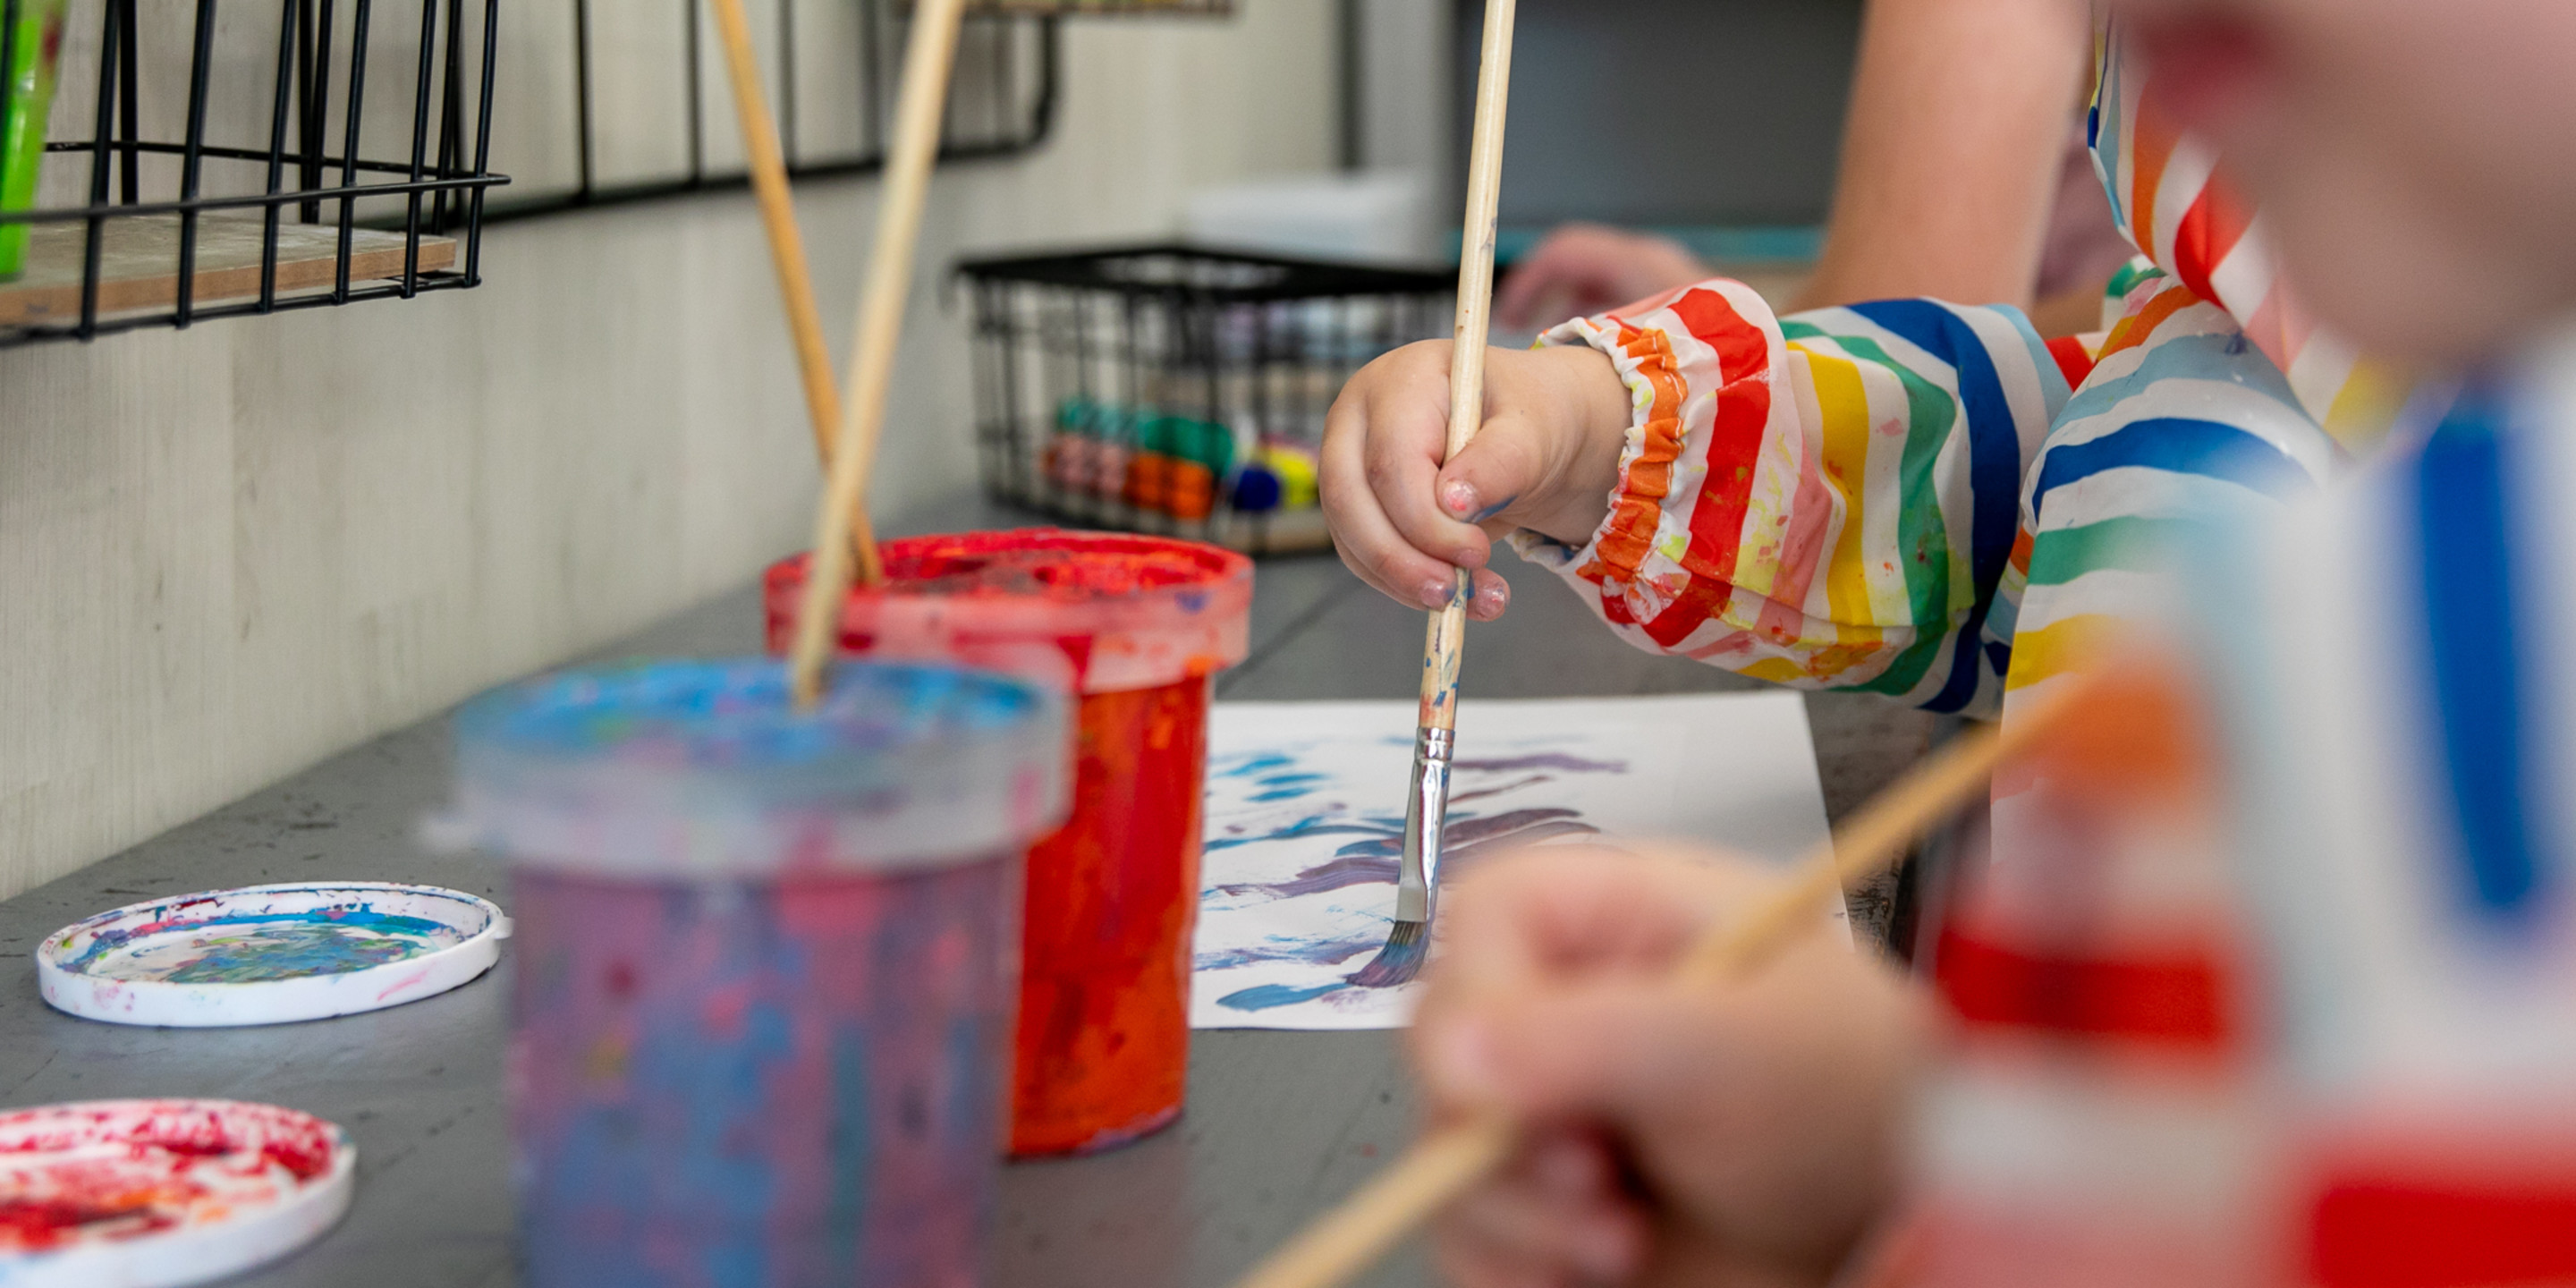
1826	500
2183	425
2171	197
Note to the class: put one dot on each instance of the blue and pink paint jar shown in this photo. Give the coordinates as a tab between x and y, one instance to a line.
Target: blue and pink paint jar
766	963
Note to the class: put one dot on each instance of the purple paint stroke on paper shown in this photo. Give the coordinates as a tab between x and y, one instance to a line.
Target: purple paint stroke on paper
1556	760
1374	860
1280	948
1513	786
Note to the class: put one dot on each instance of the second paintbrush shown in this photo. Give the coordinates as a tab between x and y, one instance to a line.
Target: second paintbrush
1426	808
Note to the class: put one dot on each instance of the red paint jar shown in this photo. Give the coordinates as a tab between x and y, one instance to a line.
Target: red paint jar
1136	626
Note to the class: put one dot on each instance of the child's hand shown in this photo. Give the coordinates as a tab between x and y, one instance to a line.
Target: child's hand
1580	269
1546	458
1734	1135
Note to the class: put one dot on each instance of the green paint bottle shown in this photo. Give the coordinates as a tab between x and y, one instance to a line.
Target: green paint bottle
33	50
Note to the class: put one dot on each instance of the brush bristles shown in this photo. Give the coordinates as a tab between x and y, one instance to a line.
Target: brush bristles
1400	960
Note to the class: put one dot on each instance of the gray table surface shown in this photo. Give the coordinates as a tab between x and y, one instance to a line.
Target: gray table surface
1279	1125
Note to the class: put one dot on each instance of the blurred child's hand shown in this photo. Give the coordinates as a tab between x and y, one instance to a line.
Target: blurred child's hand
1580	269
1546	458
1741	1135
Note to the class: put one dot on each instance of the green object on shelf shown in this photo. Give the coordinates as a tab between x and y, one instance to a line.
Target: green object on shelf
1145	429
33	50
1204	441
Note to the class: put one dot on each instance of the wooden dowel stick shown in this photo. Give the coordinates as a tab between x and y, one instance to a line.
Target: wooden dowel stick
926	61
778	217
787	254
1444	1164
1445	639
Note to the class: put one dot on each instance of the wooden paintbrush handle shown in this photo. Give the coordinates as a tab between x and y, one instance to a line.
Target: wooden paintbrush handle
1444	643
926	62
787	255
1354	1235
778	215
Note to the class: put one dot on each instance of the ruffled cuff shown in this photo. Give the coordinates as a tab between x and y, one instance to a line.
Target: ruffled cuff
1672	372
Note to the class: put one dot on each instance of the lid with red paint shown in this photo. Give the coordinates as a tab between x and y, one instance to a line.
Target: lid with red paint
155	1193
1102	612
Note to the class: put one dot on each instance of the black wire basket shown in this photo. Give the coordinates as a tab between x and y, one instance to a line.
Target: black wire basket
1175	389
831	69
244	181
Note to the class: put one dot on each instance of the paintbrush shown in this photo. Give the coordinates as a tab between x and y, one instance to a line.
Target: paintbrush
1444	1164
1426	809
927	59
787	254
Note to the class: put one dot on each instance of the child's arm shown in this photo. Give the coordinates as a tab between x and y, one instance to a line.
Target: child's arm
1828	502
1744	1134
1951	147
1584	268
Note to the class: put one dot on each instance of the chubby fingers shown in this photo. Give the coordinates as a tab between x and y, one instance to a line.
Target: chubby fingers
1557	1214
1554	989
1383	441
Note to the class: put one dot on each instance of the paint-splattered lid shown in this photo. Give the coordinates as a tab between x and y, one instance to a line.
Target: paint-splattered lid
705	768
1102	612
158	1193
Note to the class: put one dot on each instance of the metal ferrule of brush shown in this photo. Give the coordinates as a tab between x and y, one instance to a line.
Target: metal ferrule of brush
1417	881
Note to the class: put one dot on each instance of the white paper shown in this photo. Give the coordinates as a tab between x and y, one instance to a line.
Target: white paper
1305	809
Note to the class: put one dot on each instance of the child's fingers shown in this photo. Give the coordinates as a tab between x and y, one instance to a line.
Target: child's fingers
1556	1206
1504	462
1554	995
1401	461
1565	909
1371	547
1465	1262
1361	533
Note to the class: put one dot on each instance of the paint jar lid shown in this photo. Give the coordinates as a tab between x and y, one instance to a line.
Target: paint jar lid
681	769
1098	612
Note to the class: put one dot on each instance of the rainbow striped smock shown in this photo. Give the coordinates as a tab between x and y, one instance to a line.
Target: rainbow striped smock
1908	498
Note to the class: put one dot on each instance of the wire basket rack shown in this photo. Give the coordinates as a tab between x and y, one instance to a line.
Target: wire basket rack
644	106
1176	389
236	163
1104	8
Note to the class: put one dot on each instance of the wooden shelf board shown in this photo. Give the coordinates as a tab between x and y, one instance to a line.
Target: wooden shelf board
139	264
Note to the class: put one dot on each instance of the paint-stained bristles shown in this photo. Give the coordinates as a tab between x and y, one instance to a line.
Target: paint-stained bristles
1397	963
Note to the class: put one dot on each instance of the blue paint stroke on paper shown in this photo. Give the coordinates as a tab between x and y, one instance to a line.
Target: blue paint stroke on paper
1286	787
1313	825
1260	764
1264	997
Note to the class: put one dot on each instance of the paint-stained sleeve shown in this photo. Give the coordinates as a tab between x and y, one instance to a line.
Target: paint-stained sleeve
1826	500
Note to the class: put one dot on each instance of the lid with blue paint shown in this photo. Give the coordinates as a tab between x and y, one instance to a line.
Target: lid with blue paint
704	768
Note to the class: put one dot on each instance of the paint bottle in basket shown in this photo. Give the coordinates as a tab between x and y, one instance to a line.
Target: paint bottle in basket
1135	626
764	963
